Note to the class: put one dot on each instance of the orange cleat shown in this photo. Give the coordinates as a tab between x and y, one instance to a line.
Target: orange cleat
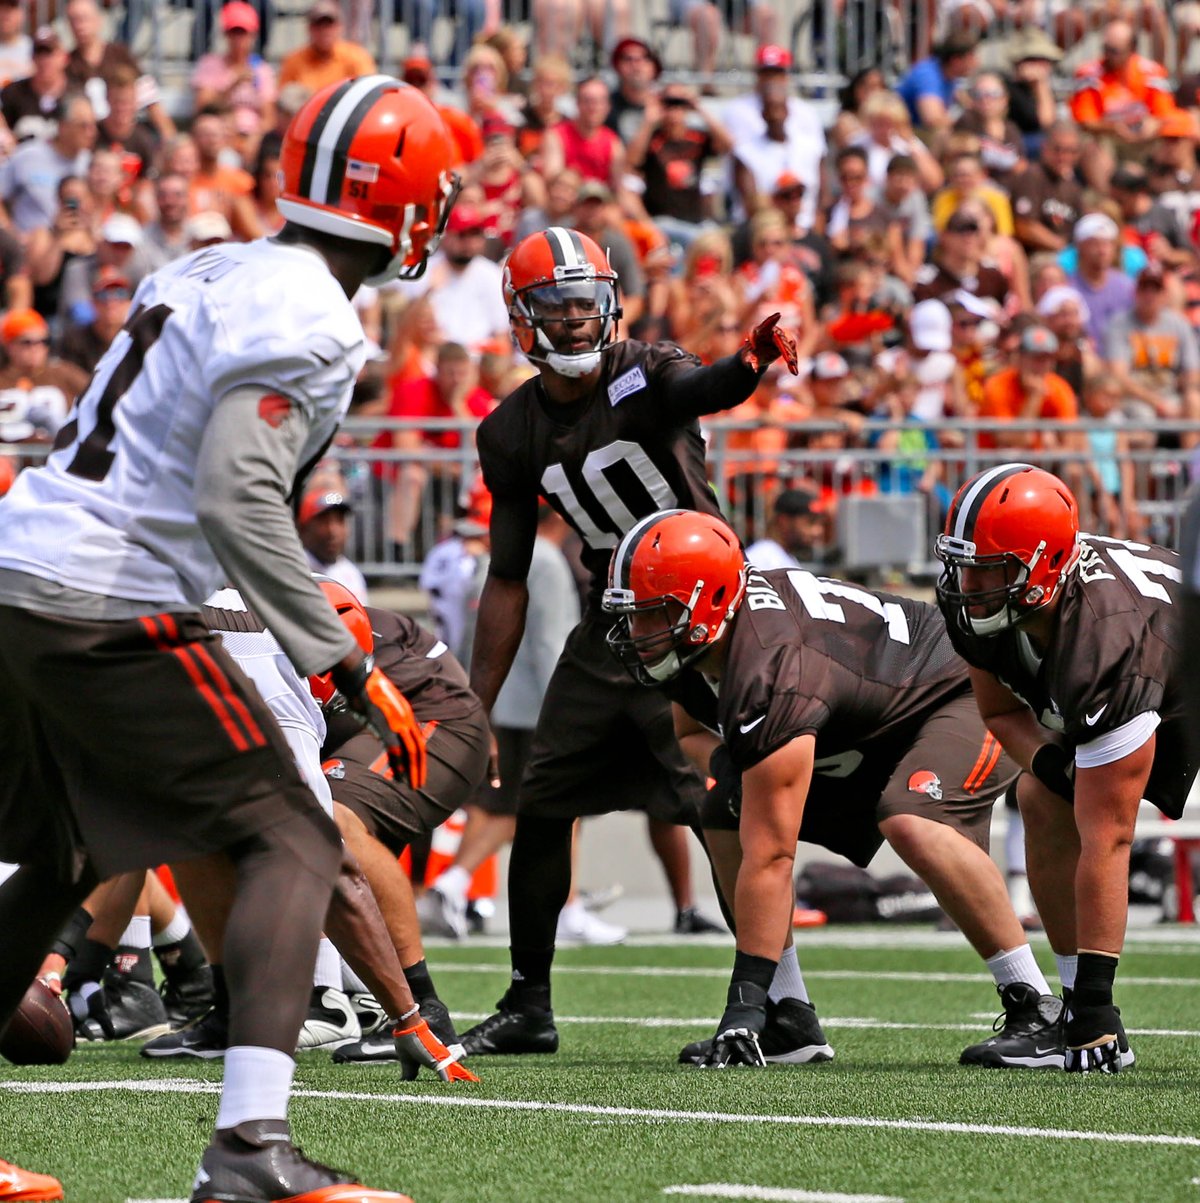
333	1194
805	917
21	1186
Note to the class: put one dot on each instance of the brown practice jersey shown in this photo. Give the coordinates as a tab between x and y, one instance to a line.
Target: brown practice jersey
860	670
1114	654
630	448
421	666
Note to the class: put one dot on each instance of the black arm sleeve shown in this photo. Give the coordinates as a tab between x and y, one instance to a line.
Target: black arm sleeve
513	530
694	392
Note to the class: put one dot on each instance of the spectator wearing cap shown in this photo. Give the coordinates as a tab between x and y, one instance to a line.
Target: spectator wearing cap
669	151
29	179
1066	314
237	79
773	132
1046	197
508	187
122	246
1027	391
1120	99
216	187
548	88
16	46
1151	350
453	391
84	345
326	58
1106	289
795	535
206	229
418	71
1146	222
32	106
959	261
585	143
1032	56
464	286
36	391
1173	171
323	521
637	66
925	358
597	215
830	386
930	88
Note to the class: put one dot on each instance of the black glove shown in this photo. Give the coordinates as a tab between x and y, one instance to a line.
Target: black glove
1091	1039
726	792
1054	767
736	1041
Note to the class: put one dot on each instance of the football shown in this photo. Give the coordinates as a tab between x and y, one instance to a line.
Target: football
41	1031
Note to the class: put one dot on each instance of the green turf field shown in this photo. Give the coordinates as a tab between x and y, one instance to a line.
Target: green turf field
613	1118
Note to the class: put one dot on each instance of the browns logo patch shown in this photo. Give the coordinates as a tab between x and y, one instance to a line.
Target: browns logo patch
273	409
925	782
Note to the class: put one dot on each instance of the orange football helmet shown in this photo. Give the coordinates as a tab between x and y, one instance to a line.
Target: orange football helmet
1013	517
560	275
370	160
354	617
688	568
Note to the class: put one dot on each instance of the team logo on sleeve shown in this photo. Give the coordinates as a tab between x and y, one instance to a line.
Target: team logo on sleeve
334	769
273	408
925	782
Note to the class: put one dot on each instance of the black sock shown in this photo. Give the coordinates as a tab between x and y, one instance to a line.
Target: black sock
530	977
419	982
131	964
87	965
182	958
220	991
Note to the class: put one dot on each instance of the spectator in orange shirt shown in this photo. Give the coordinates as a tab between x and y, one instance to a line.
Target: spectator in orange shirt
327	59
216	188
1119	98
418	71
453	391
1028	391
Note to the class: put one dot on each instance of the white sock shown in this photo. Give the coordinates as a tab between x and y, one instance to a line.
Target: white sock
137	934
351	982
454	883
1018	965
176	930
257	1084
1066	970
328	972
1014	843
788	981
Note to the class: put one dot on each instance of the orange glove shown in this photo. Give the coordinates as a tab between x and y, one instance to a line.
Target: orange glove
416	1045
387	712
766	343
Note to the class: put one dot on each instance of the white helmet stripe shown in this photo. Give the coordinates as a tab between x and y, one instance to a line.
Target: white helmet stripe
563	245
323	161
623	556
964	517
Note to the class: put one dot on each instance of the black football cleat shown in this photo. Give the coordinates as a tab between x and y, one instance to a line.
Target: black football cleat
1029	1034
187	996
131	1011
512	1031
256	1162
690	922
369	1012
792	1036
205	1038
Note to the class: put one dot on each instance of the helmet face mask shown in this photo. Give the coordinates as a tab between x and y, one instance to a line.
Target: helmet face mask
1012	536
676	580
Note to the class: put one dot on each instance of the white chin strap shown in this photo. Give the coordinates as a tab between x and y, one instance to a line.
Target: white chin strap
994	623
666	669
572	365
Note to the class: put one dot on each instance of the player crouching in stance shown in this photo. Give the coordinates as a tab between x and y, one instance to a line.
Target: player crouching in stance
200	422
845	719
1074	652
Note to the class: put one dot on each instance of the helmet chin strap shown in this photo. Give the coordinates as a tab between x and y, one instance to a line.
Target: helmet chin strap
573	365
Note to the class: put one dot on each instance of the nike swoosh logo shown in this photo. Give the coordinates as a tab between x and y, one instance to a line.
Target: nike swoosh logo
1041	1052
1093	719
747	727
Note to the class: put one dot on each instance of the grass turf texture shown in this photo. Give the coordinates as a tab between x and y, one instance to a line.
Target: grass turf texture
110	1145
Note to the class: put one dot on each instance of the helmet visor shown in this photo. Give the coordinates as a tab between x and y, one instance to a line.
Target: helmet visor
572	301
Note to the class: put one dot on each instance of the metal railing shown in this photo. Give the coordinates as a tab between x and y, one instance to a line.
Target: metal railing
748	479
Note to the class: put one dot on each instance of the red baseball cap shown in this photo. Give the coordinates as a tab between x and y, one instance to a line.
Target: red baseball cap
317	501
237	14
464	217
773	58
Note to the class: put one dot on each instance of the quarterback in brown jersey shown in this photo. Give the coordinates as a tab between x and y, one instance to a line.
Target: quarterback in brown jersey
1073	646
828	713
606	433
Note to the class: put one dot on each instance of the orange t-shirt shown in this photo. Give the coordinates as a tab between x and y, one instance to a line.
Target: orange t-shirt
465	132
215	191
1142	88
1004	399
304	66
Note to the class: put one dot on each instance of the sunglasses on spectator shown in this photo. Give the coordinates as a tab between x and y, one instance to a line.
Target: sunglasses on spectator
1116	51
31	342
988	94
962	227
633	56
966	320
323	21
772	242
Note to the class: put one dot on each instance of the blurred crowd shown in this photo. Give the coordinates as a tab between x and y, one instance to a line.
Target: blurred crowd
1001	230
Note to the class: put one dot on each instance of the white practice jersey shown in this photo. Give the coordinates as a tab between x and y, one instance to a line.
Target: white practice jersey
113	512
285	692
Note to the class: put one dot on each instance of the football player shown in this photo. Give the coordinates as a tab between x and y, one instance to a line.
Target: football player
606	433
1074	651
199	424
844	719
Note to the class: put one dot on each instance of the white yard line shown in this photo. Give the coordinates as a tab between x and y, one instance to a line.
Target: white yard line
849	975
775	1194
460	1098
